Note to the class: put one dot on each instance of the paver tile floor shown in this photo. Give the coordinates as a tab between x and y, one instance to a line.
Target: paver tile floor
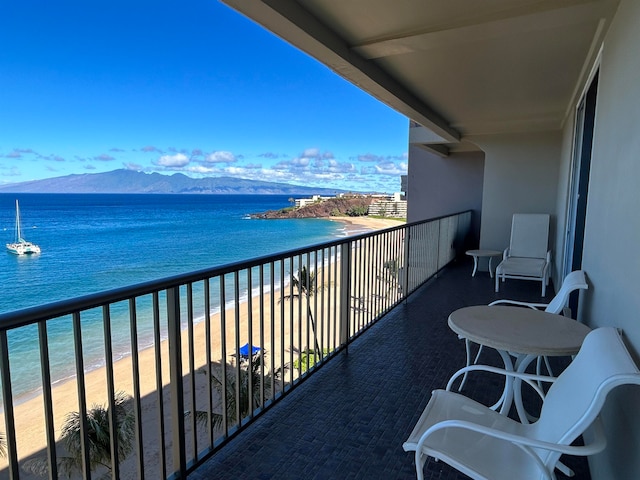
350	418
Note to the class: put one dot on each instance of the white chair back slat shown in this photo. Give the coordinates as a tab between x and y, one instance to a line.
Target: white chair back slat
529	235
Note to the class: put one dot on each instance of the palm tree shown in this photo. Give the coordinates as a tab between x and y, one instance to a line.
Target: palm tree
3	445
305	284
391	274
250	371
97	421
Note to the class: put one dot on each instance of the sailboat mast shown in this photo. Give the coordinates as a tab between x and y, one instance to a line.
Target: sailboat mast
18	232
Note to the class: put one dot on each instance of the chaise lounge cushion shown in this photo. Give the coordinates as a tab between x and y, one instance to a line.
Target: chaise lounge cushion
527	267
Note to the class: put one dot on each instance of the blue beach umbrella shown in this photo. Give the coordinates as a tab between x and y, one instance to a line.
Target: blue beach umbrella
244	350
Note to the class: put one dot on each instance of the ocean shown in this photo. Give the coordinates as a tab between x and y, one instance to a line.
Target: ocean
92	243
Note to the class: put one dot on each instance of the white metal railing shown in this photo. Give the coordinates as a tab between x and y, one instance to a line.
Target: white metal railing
174	382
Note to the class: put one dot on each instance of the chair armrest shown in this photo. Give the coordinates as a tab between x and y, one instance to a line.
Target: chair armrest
505	254
528	378
526	443
535	306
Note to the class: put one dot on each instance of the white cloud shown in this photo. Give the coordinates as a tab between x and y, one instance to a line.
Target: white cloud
201	169
133	166
236	170
172	161
390	168
150	148
370	157
311	152
221	157
10	172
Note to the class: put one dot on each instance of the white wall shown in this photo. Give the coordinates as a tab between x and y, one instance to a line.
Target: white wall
439	186
612	238
520	176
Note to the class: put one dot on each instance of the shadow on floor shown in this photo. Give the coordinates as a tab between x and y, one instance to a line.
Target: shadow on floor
350	418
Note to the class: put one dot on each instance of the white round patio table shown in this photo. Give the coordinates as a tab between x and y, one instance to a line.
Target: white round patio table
476	254
523	332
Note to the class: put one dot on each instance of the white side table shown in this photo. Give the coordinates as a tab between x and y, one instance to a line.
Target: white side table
482	253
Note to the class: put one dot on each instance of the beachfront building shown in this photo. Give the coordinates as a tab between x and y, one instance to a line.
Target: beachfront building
303	202
515	106
389	206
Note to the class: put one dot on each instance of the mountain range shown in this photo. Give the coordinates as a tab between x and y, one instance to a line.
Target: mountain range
129	181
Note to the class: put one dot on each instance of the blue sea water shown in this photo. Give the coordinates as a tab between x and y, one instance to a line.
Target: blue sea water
92	243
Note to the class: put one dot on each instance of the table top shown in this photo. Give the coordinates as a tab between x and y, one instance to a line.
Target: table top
519	330
483	253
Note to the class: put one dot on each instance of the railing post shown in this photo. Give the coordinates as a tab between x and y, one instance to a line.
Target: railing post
7	395
175	385
345	291
407	255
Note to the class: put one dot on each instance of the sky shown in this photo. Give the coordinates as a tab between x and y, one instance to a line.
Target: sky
191	87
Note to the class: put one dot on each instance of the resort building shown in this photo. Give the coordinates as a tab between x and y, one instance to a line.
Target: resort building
390	206
303	202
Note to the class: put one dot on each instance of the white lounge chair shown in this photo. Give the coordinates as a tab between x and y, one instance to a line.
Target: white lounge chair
574	281
484	444
527	257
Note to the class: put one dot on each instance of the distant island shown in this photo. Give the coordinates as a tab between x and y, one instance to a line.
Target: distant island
130	181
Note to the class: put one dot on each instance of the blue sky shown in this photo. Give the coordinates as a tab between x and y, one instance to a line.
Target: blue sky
191	87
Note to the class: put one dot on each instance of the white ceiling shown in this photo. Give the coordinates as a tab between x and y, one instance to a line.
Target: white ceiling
458	67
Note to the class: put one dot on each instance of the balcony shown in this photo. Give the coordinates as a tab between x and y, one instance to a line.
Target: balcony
349	420
345	414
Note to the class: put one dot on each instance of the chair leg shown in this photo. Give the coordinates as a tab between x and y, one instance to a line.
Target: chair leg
475	361
467	346
421	459
564	469
546	362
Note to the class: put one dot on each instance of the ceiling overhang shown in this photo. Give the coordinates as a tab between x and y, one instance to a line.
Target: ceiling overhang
457	68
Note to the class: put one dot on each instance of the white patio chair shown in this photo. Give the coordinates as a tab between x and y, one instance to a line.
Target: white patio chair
576	280
527	257
483	444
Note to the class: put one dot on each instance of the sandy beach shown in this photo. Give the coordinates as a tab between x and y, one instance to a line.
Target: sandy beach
240	324
355	225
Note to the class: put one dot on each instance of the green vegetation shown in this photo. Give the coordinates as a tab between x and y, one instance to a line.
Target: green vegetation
357	211
305	284
308	359
99	435
250	371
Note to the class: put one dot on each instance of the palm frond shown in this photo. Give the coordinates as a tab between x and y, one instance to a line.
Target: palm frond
99	436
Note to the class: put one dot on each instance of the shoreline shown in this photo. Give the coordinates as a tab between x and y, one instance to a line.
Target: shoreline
29	410
355	225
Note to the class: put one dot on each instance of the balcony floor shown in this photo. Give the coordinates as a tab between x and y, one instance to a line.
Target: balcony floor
350	418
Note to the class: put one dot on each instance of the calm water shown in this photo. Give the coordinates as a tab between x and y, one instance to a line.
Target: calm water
92	243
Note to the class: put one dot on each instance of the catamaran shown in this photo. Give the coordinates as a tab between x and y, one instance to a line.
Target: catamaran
21	246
